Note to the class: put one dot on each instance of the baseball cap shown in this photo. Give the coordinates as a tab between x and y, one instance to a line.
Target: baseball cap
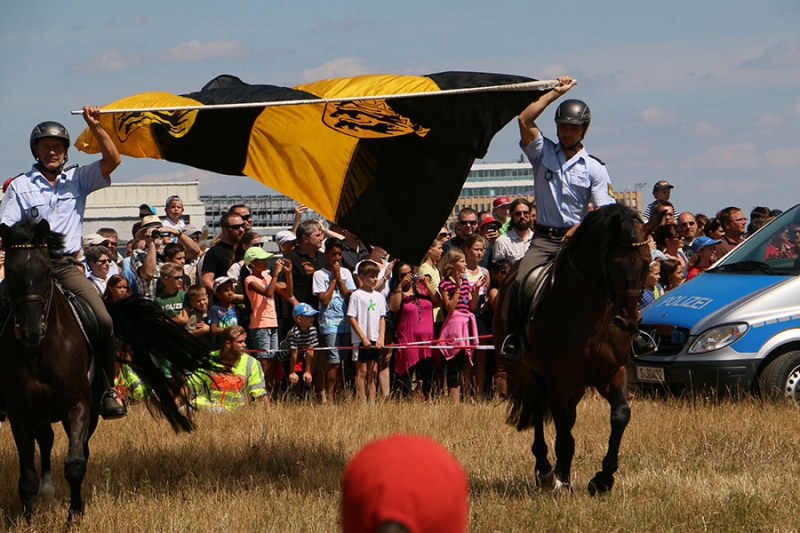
304	310
377	487
285	236
190	230
661	185
222	280
491	220
150	221
171	199
702	242
145	210
500	201
255	252
93	239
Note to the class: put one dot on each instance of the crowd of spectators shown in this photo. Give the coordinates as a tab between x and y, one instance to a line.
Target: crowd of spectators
330	316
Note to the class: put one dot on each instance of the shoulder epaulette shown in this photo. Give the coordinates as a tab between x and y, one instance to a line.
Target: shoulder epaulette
9	180
597	159
76	166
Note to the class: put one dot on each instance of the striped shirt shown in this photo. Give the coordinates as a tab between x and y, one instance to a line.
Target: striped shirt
447	285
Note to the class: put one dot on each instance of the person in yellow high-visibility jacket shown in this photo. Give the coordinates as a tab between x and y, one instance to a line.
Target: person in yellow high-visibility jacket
240	381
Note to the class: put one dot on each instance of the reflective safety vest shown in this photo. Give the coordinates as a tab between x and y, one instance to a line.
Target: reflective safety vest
229	390
129	385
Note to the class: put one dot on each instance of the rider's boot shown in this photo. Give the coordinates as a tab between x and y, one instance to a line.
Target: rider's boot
111	406
512	347
642	344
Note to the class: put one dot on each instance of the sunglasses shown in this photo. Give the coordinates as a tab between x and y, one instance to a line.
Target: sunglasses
443	235
259	244
235	226
177	278
468	222
687	223
246	217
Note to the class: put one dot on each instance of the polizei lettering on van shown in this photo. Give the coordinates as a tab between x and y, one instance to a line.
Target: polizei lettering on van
692	302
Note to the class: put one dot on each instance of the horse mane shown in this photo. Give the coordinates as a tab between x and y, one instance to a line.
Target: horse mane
24	232
616	224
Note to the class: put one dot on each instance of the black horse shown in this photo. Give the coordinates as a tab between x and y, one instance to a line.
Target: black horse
46	363
579	336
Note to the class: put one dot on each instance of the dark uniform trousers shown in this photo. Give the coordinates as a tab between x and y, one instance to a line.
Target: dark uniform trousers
72	278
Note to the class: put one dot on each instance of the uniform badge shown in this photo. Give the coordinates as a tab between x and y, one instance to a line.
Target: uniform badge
548	175
34	212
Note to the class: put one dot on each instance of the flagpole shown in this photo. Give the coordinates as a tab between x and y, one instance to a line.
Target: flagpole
514	87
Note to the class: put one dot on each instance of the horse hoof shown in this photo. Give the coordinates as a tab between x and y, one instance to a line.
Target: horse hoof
549	482
600	483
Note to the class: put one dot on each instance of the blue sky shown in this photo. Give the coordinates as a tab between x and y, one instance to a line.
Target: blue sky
703	94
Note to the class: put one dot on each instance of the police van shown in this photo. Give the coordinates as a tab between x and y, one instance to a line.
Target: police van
736	327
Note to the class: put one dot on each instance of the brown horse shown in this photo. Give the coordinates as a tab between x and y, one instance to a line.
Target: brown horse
579	336
46	358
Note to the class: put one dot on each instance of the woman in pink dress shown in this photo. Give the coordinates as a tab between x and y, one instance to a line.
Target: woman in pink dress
413	299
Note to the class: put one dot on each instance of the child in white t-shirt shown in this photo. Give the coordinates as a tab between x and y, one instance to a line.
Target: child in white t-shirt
367	314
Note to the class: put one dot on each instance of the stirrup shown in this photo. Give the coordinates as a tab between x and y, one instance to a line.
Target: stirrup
512	347
111	406
642	344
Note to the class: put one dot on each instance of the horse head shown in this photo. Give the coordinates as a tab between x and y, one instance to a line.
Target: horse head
612	243
29	279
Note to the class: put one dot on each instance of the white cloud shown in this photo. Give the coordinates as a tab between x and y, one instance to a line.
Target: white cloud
783	157
778	56
769	120
732	156
195	50
704	129
109	61
338	68
658	116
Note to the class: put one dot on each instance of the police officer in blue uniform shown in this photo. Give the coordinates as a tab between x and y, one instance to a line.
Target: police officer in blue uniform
56	193
567	180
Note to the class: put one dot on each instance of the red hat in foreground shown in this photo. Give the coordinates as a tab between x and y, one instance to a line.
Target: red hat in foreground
408	479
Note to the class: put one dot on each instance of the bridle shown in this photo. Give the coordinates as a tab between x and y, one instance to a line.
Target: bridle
43	300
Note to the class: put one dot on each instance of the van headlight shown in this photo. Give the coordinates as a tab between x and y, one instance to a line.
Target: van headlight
718	337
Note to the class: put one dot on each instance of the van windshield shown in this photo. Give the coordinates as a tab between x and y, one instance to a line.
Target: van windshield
773	250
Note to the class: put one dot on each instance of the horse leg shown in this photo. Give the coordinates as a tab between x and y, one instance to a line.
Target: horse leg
77	428
564	414
28	485
603	481
539	405
47	490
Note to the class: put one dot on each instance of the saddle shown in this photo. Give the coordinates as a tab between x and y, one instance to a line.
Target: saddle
533	287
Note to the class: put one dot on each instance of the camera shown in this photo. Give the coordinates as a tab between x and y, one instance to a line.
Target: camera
416	277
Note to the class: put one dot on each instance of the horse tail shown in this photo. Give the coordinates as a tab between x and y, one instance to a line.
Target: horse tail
162	354
521	412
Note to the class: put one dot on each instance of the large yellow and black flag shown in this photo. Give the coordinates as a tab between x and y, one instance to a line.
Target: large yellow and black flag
388	168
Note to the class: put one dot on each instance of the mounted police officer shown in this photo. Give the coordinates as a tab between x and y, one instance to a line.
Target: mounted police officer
567	180
58	194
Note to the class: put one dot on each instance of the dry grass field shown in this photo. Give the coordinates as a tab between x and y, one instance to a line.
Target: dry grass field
685	465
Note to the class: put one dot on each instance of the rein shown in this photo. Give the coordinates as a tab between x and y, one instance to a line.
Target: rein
44	300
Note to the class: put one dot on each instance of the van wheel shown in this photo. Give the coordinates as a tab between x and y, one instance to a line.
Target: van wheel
780	379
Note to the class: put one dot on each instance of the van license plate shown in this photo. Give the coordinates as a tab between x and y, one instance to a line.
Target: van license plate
650	374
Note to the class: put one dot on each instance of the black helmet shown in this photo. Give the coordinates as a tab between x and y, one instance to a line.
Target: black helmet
48	129
573	112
